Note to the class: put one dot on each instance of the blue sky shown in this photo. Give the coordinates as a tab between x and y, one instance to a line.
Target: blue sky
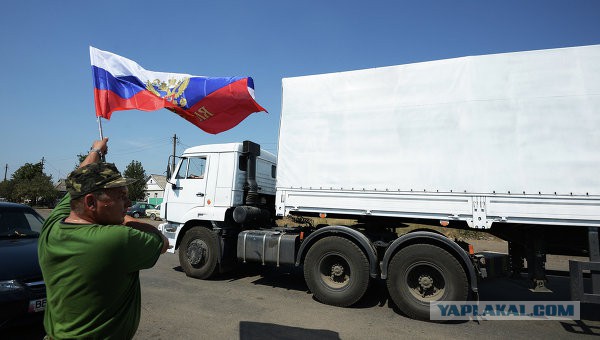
47	93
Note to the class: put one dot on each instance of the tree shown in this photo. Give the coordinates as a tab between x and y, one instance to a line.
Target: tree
28	171
6	190
31	184
137	189
81	157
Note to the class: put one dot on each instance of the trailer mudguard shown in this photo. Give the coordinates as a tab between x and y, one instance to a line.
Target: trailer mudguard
350	233
434	239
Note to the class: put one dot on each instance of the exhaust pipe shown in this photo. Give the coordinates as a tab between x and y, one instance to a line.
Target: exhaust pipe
252	150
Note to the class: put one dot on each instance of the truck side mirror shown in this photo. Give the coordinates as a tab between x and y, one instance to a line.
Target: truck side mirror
170	168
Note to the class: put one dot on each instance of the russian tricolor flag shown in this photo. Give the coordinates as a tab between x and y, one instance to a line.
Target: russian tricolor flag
213	104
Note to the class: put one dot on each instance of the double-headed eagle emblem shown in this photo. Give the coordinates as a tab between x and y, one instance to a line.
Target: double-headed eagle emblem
171	90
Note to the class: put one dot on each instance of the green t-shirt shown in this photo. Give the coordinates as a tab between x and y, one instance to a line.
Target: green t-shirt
92	276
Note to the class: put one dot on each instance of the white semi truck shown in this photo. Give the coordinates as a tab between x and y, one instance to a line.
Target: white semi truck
507	144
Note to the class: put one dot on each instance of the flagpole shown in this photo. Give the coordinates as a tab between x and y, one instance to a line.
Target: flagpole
101	135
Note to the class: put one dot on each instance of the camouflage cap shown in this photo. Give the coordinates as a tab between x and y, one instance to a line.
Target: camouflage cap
95	176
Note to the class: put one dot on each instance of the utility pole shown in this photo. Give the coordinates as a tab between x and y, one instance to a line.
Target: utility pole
174	152
42	164
5	171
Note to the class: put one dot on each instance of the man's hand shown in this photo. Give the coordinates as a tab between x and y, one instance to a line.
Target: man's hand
101	145
93	156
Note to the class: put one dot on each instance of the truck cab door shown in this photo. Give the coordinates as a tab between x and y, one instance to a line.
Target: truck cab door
188	189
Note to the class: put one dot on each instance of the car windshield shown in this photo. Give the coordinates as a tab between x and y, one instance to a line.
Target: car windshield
20	223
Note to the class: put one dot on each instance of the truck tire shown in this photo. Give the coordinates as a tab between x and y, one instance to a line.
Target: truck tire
336	271
423	273
198	253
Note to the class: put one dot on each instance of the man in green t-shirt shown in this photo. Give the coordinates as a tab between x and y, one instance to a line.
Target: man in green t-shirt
91	253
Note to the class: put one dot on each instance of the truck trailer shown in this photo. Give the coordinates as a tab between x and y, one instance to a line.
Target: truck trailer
506	144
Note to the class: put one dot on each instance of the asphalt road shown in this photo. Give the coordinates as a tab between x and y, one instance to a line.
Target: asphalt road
263	303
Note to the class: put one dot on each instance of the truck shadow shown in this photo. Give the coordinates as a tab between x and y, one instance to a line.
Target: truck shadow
289	280
580	327
292	278
259	331
376	295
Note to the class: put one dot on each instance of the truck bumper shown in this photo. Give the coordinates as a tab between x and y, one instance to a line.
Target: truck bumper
170	231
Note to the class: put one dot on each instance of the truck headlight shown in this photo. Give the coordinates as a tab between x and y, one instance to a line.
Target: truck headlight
10	286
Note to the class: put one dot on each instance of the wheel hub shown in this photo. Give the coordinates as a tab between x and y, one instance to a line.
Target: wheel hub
196	252
425	281
334	271
337	270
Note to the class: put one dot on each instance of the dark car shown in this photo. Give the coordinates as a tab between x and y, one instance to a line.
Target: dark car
22	289
139	209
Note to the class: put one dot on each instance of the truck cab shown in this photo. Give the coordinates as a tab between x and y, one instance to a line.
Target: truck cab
209	181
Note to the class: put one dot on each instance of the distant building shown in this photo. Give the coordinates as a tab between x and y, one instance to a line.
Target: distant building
155	187
61	186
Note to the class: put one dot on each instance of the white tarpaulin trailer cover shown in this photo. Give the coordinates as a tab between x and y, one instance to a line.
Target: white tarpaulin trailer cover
515	122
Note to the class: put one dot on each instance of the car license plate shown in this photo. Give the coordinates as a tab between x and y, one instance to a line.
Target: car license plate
37	305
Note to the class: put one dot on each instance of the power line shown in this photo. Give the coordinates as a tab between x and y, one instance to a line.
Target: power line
60	173
182	144
144	148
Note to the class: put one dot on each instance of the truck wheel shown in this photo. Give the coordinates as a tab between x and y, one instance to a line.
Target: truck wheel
136	215
198	253
336	271
153	216
423	273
